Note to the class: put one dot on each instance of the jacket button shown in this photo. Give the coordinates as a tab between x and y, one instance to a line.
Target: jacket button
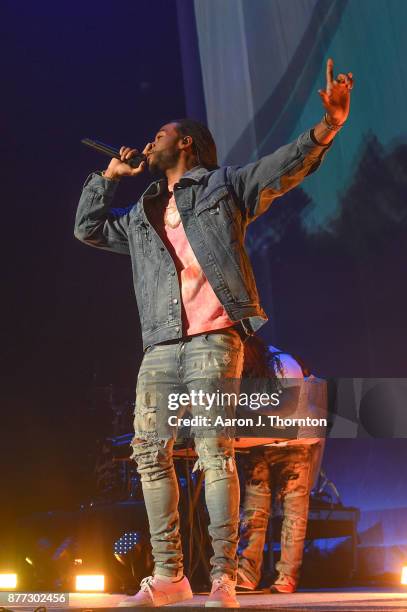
177	329
175	301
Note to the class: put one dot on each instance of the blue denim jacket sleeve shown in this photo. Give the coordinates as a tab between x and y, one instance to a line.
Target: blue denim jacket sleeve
95	224
259	183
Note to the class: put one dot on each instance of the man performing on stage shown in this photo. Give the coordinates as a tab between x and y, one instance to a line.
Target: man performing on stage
197	300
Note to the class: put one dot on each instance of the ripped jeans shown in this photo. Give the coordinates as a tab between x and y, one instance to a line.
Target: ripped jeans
192	364
288	471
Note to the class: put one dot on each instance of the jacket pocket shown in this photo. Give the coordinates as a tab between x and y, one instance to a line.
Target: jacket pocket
212	202
220	209
141	236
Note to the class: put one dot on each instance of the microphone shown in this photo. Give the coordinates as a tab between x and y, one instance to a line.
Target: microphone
96	145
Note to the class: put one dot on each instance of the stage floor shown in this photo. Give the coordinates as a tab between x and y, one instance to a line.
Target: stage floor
332	599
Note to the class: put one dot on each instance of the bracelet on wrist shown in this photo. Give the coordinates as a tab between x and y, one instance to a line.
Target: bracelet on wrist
332	126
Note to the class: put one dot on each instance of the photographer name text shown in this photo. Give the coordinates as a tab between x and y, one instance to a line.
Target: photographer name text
260	421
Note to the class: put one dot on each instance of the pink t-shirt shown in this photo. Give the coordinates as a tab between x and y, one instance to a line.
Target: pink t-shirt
201	309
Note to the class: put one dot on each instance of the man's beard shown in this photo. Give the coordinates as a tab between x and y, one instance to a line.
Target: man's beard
163	160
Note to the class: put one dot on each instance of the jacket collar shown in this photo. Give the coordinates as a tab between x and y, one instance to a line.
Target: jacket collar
194	175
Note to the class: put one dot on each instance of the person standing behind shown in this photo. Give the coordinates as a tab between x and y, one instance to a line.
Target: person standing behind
285	467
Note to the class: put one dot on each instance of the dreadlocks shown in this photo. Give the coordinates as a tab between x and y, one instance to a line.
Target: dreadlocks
259	362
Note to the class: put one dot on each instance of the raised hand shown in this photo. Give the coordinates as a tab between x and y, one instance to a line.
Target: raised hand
336	96
118	167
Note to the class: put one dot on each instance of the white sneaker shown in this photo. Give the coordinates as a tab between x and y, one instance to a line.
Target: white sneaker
155	592
284	584
223	593
243	582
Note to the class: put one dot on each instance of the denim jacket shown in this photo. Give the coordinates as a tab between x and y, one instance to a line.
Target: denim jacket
215	207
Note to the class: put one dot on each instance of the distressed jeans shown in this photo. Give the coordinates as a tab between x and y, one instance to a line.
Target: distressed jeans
288	471
196	363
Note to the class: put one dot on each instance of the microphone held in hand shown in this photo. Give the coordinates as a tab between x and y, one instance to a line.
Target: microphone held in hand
101	147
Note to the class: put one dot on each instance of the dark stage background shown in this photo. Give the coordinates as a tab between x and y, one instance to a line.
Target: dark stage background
330	261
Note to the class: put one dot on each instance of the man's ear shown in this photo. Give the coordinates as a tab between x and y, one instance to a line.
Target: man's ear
186	141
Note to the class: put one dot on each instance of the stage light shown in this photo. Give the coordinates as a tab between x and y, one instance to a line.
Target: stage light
404	575
8	581
126	543
95	582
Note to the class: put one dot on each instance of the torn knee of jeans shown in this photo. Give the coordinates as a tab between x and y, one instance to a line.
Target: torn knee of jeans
147	447
254	520
215	453
293	476
215	445
145	411
293	484
147	400
147	438
257	486
219	463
